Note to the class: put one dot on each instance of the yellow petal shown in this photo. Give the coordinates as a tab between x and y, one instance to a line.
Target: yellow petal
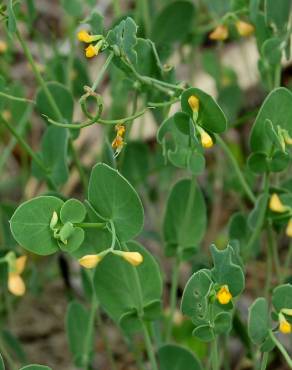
206	139
90	261
20	264
134	258
244	29
220	33
83	36
285	327
223	295
16	285
91	51
276	205
289	228
3	47
194	103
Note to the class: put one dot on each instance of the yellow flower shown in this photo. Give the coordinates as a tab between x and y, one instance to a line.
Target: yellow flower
134	258
289	228
90	261
206	139
223	295
16	285
194	103
276	205
84	36
92	50
118	143
121	129
244	29
285	327
220	33
3	47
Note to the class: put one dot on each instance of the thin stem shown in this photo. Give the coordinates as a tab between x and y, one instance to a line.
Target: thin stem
240	176
6	355
214	354
274	251
16	98
116	8
149	348
143	6
93	225
173	297
281	349
78	164
265	360
102	71
287	263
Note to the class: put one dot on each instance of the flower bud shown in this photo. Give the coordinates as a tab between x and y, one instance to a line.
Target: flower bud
3	47
16	285
194	103
276	205
220	33
134	258
289	228
84	36
54	220
244	29
90	261
223	295
285	327
206	139
20	264
92	50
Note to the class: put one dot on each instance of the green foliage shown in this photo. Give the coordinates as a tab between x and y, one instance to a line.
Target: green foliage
259	321
172	357
113	198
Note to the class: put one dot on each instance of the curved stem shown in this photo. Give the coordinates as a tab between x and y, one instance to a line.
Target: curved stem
240	176
114	237
17	98
281	349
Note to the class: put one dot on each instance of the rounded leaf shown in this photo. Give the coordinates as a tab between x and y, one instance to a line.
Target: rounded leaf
72	211
30	224
173	357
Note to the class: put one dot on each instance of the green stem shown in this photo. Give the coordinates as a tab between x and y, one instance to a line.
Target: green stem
116	8
274	252
281	349
17	98
143	6
214	354
102	71
235	165
265	360
78	164
28	149
287	263
93	225
173	297
50	98
149	348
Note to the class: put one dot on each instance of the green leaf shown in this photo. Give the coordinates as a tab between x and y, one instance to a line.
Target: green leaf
258	162
271	51
72	211
113	198
126	290
173	22
277	108
195	297
72	7
282	297
185	218
277	16
95	20
63	99
204	333
124	37
223	323
258	321
30	224
174	357
77	323
210	116
225	271
279	162
54	155
135	164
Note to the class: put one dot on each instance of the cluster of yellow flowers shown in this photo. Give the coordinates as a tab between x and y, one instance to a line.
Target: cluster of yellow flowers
118	142
92	49
276	205
221	33
206	139
92	260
